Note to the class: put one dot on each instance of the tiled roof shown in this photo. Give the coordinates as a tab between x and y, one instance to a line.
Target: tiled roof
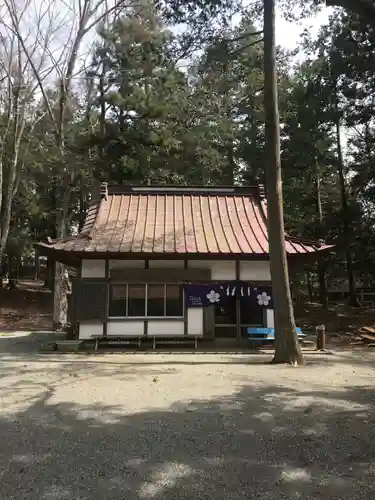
177	221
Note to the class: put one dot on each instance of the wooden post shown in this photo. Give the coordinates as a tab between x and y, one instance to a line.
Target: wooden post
238	303
106	298
321	338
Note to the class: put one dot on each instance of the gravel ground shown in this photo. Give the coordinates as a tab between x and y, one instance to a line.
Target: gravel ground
185	426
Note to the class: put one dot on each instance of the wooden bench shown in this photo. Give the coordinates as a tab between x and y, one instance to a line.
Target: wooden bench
167	339
116	339
267	334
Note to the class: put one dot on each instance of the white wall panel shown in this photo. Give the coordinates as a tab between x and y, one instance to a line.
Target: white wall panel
161	328
88	329
255	270
195	321
176	264
221	270
125	264
93	268
270	318
125	328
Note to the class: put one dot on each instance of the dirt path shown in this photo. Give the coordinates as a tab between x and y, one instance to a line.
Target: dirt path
150	426
29	307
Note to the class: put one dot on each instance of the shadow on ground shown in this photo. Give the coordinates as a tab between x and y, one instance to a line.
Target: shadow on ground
261	442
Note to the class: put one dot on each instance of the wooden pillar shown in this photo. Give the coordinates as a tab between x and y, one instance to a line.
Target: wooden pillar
186	326
75	300
238	304
145	321
105	322
264	317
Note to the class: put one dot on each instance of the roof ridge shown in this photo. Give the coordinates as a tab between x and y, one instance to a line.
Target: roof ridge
94	228
123	189
306	241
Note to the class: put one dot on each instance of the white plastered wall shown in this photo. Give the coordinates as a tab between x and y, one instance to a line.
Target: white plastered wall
93	268
165	328
270	318
125	264
195	314
174	264
254	270
125	328
89	329
220	269
195	321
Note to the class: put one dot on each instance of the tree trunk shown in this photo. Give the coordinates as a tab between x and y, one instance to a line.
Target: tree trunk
228	177
60	299
321	263
36	266
2	273
6	201
82	212
5	215
9	184
287	348
353	300
12	272
309	286
89	16
102	112
323	299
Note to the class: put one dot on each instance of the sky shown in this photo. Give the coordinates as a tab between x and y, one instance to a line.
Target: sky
288	34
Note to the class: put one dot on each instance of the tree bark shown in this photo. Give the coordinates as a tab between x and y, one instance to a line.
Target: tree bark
287	348
8	182
12	272
228	177
102	112
309	286
60	299
353	300
89	15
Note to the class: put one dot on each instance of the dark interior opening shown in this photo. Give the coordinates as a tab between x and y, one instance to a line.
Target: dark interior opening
226	319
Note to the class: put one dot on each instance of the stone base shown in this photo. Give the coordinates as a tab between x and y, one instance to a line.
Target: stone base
48	347
69	345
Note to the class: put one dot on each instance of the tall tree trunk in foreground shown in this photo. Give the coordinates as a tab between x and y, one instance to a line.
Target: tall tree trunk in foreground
287	349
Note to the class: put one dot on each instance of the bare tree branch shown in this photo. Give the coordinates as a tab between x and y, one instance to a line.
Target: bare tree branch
244	47
84	15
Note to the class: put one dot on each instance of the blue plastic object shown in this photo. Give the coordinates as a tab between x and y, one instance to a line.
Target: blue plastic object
266	333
